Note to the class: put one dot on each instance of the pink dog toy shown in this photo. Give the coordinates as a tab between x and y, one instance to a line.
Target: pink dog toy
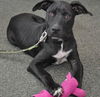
69	86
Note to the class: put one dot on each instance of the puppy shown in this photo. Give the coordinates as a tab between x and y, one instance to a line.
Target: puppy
24	30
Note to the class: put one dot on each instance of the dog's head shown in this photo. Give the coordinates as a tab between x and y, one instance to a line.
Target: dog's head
60	16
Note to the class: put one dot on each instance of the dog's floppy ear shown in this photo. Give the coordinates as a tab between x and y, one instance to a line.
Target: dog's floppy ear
78	8
42	5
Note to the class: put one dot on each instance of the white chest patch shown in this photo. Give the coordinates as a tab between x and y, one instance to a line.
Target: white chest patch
61	55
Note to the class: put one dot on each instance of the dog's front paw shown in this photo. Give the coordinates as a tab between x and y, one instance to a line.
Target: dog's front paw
56	91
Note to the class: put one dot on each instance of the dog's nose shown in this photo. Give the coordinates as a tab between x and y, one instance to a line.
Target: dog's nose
55	28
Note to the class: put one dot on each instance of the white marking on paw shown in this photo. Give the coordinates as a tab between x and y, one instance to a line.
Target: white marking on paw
58	92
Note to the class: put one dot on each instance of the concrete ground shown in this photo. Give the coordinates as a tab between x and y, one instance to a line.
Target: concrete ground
15	81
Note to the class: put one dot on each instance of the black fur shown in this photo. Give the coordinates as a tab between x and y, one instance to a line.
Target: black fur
25	29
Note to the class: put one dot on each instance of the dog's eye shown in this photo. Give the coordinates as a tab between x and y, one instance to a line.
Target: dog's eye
51	14
67	17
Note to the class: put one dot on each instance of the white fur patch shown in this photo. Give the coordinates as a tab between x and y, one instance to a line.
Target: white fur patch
58	92
61	55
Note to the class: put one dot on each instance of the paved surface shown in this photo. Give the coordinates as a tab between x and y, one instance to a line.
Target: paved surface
15	81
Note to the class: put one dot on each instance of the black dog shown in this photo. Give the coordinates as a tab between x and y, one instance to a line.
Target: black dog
24	30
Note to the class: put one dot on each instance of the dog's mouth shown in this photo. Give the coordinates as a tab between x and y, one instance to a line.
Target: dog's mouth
56	38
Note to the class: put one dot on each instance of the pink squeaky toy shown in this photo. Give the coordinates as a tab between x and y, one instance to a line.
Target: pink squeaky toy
69	86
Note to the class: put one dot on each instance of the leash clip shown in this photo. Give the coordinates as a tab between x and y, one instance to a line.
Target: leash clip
43	36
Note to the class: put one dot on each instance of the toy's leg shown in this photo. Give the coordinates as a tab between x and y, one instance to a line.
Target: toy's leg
36	67
77	67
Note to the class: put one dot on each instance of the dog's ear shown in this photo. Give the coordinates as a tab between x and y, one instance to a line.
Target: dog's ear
78	8
42	5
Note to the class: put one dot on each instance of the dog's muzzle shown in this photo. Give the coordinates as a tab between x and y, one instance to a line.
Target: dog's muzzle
56	38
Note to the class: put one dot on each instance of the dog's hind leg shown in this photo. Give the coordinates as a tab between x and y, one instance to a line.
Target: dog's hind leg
11	37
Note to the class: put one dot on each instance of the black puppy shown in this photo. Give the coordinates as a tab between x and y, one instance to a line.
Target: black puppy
24	30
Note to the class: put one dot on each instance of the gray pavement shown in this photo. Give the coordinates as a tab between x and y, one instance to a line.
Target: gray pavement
15	81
